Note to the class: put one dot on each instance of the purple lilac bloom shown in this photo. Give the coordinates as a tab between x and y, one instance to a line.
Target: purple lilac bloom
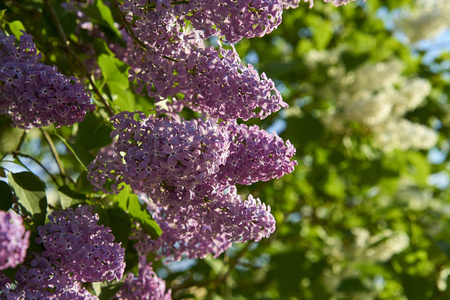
38	278
188	169
256	155
235	20
146	286
213	82
223	88
34	94
14	240
230	19
206	227
154	155
73	241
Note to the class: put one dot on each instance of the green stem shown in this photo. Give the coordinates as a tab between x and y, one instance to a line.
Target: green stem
55	155
71	150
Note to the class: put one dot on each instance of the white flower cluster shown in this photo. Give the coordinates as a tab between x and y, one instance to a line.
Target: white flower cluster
425	20
365	249
376	96
380	247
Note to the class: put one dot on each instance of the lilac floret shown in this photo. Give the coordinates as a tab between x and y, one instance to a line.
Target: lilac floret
14	240
73	241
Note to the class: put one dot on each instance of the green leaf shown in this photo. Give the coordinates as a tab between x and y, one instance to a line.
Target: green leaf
113	71
31	193
141	214
69	198
2	172
323	32
130	203
16	27
120	224
11	273
124	99
132	258
5	196
93	133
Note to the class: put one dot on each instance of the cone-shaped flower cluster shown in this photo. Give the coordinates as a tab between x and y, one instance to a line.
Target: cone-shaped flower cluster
73	240
209	227
34	94
14	240
77	250
189	169
39	278
175	63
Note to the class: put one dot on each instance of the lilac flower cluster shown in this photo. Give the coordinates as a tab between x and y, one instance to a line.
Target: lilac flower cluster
206	227
235	20
189	169
146	286
14	240
161	153
73	241
230	19
156	155
211	81
39	278
34	94
77	250
255	155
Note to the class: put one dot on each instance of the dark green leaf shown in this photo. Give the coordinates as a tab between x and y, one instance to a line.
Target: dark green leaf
2	172
120	224
5	196
82	185
108	292
352	284
69	23
93	133
31	193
